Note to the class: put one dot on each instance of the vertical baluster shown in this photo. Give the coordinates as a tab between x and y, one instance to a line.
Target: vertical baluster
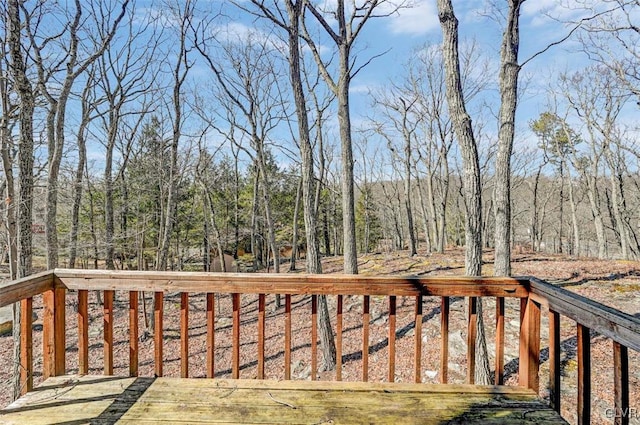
499	364
83	332
444	340
184	335
339	338
261	318
158	314
53	333
108	332
472	328
621	383
26	345
584	374
554	360
211	336
133	333
314	337
287	336
418	340
365	338
529	363
392	339
235	366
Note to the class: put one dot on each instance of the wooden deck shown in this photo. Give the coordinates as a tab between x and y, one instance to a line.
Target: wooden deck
72	400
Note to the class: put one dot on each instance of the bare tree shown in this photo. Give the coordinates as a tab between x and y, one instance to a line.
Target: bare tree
400	119
88	106
125	77
26	98
471	173
183	15
509	70
72	50
350	22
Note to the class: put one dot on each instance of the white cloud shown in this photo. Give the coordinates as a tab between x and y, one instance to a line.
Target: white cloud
419	19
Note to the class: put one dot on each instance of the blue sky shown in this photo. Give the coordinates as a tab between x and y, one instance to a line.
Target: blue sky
400	34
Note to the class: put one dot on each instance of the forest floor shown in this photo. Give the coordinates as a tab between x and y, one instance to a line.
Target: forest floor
614	283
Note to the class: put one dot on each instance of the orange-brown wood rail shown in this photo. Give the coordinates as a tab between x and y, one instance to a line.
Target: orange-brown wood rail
261	335
472	328
83	332
184	335
287	337
499	360
392	339
365	337
26	345
158	314
211	335
418	340
339	302
444	340
133	333
107	327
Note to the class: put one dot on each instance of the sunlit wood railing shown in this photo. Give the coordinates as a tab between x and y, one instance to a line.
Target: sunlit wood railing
55	286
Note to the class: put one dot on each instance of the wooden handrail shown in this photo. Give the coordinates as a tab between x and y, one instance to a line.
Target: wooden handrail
605	320
533	293
27	287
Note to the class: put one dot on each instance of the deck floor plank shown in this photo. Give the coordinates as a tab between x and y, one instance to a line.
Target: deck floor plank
74	400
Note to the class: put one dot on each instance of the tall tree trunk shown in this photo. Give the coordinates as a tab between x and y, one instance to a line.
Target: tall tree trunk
294	241
471	173
413	246
509	71
350	252
25	170
310	204
77	197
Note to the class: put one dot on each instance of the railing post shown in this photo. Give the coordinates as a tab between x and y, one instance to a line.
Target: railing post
26	345
584	374
529	344
53	332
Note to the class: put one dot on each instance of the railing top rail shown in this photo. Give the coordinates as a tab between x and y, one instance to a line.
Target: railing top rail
16	290
257	283
619	326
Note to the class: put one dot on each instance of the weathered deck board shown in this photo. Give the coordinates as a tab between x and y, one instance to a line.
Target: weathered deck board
95	399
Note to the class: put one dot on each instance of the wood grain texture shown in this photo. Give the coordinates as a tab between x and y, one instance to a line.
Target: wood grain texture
297	284
184	335
261	336
391	376
314	337
444	339
26	345
211	335
472	332
28	287
235	338
83	332
107	328
76	400
598	317
53	332
621	383
583	348
133	333
158	337
554	361
287	336
417	354
365	337
339	306
499	359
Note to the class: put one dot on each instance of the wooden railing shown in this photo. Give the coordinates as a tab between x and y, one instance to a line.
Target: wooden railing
624	330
